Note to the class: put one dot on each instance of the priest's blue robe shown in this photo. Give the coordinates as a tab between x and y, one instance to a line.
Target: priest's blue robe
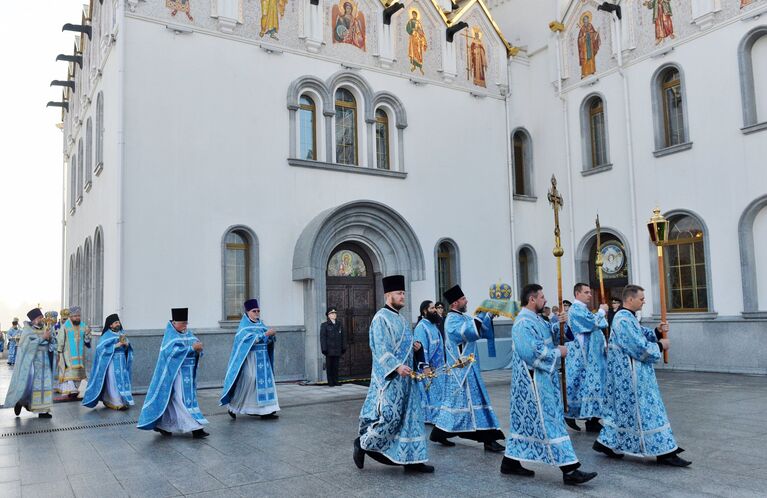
104	385
635	420
537	431
430	338
392	419
249	382
177	360
586	362
466	405
32	379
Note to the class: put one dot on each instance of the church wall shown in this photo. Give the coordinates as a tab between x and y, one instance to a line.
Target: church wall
214	154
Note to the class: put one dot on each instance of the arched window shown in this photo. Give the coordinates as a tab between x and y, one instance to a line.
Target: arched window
752	58
382	139
594	133
447	266
98	275
669	111
79	191
307	116
240	262
99	132
73	182
88	153
71	293
527	268
346	127
87	303
686	265
522	162
78	296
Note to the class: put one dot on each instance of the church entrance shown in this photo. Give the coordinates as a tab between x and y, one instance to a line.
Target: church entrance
351	289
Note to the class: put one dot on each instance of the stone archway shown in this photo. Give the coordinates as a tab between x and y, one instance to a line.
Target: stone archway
586	268
387	238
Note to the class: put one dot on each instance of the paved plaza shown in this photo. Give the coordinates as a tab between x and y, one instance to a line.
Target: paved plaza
719	419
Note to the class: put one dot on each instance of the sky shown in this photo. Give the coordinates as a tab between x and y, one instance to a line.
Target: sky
31	160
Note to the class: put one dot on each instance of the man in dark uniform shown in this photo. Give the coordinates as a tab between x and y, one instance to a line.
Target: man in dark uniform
332	344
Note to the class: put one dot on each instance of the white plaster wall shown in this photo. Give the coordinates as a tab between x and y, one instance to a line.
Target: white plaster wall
206	145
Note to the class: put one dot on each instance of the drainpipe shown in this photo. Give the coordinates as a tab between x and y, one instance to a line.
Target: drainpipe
510	174
630	158
120	46
568	163
63	228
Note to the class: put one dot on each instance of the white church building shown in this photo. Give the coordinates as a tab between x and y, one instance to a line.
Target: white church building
297	151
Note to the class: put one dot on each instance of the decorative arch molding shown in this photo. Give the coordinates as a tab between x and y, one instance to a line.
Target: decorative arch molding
341	78
706	249
387	98
748	258
583	255
391	244
253	254
747	87
299	86
533	264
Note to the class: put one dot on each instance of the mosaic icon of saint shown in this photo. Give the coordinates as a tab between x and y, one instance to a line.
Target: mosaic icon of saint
588	46
349	25
417	42
177	6
271	13
477	59
661	16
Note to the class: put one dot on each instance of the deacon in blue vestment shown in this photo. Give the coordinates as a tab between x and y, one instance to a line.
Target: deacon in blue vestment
249	387
171	402
635	420
31	384
110	379
391	427
465	410
14	336
428	335
537	430
586	361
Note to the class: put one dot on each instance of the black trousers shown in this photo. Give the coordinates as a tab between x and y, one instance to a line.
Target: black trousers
331	365
481	436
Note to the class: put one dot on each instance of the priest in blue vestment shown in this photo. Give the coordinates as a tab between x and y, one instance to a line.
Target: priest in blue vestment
14	336
465	410
391	429
110	378
31	384
428	335
586	361
171	401
635	420
537	431
249	387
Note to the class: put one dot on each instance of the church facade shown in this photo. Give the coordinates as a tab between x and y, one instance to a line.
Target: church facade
216	150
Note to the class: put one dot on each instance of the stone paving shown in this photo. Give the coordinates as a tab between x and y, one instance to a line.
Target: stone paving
719	419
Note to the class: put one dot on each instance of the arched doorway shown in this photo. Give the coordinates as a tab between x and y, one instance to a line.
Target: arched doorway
615	265
350	287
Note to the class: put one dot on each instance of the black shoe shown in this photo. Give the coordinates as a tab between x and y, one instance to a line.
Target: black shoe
163	432
270	416
593	425
359	454
44	415
494	447
601	448
510	466
442	441
674	461
578	477
200	434
572	424
233	415
419	467
17	409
